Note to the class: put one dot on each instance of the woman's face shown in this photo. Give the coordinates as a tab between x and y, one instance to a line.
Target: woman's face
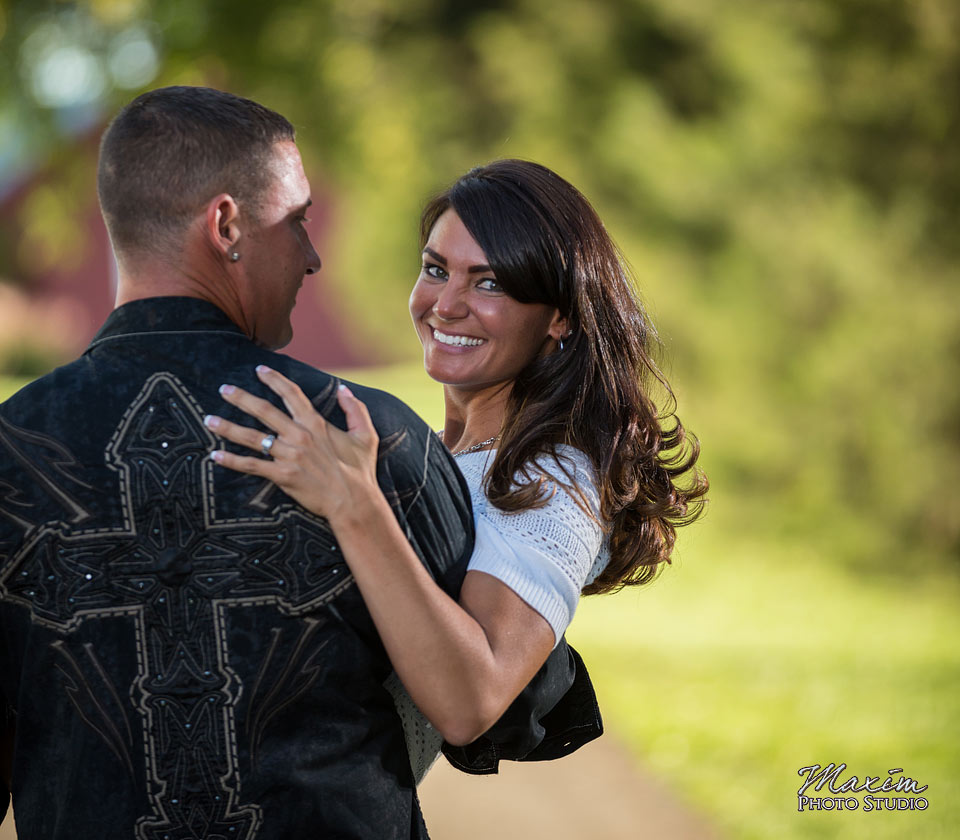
474	335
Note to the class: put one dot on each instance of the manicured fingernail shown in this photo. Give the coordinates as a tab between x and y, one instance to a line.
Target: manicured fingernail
345	390
211	422
227	389
216	455
263	369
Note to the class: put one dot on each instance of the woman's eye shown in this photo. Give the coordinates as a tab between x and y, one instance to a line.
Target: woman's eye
434	271
488	284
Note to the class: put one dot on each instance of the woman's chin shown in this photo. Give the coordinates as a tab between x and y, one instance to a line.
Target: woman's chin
447	374
444	377
443	368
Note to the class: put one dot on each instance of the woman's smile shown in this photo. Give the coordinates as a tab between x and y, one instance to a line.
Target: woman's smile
452	340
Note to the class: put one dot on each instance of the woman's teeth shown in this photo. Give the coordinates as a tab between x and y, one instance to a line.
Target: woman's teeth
456	340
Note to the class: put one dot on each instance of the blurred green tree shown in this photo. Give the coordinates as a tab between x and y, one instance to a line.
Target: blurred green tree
782	175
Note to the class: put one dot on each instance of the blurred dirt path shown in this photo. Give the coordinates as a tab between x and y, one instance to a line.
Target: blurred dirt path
598	793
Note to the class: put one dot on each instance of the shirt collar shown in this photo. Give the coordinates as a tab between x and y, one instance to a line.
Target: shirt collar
164	315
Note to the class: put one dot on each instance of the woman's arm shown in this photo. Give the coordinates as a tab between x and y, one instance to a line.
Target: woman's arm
462	663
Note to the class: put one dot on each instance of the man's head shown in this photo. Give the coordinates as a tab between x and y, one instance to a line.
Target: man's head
171	150
212	183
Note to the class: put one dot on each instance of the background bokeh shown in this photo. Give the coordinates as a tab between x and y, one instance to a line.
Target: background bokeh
784	178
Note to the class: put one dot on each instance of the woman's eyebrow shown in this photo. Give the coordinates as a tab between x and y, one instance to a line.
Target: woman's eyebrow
473	269
440	259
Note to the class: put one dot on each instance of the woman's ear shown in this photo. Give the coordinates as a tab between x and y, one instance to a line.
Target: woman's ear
222	225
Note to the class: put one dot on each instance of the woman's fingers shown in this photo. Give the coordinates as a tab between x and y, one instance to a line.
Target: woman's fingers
246	464
359	424
244	435
323	468
300	408
266	412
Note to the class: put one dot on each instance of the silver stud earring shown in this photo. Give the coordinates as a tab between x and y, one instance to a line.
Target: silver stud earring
234	256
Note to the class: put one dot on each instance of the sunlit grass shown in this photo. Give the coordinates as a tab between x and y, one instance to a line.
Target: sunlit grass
748	660
742	666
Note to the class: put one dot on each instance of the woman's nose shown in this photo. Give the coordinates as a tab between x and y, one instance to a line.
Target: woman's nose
450	303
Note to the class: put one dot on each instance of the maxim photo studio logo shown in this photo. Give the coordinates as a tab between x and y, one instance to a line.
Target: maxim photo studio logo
874	793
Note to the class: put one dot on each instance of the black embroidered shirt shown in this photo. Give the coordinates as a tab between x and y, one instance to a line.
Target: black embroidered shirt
183	650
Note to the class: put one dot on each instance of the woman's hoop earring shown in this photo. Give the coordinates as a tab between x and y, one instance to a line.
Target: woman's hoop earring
560	340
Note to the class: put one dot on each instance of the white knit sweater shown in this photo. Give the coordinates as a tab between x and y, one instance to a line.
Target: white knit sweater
546	555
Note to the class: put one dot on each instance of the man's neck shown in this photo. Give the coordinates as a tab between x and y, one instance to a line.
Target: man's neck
153	276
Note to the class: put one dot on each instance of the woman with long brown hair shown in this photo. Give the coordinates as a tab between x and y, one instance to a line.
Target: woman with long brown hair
527	316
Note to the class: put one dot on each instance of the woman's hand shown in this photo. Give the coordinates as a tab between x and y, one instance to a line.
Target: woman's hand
329	472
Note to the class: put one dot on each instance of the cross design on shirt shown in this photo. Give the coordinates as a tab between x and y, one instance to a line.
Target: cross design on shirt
175	567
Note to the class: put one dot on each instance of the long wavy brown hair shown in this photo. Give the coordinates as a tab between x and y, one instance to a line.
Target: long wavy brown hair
546	244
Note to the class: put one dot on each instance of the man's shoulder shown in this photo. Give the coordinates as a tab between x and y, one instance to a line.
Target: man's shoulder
35	393
385	408
387	411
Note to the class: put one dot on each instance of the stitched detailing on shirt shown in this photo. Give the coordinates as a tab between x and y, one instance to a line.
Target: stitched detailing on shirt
297	674
174	569
111	724
57	460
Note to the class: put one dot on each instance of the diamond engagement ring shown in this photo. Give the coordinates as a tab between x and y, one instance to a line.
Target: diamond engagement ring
267	444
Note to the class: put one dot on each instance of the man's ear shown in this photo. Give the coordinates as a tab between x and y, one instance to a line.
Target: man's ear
221	225
559	326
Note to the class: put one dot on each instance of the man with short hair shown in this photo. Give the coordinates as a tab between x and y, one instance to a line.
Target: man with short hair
183	650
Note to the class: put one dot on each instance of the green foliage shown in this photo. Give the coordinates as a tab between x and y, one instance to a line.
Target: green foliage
782	176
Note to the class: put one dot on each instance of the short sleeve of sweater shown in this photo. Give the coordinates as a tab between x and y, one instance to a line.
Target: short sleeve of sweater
548	554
